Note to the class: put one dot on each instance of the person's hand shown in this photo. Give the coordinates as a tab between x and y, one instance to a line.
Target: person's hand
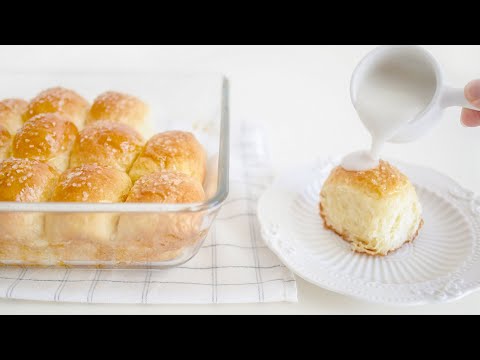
471	118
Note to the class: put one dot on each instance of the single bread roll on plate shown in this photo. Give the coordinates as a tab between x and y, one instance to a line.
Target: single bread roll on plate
377	210
22	234
11	111
64	102
171	151
80	237
108	144
160	237
46	137
5	143
122	108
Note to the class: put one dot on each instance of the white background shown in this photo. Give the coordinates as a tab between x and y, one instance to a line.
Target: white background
300	94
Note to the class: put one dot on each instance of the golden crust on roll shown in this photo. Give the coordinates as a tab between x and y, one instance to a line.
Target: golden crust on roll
122	108
160	237
171	151
377	210
5	143
11	111
92	184
22	234
64	102
26	180
46	137
167	187
108	144
380	182
87	236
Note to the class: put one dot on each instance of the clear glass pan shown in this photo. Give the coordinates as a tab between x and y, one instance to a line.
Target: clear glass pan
112	235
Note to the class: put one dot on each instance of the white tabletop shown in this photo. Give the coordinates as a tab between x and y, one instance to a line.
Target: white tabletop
300	94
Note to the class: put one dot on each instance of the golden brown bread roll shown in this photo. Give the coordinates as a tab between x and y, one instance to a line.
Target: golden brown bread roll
377	210
122	108
22	234
26	180
108	144
172	151
5	143
87	236
160	237
46	137
64	102
11	111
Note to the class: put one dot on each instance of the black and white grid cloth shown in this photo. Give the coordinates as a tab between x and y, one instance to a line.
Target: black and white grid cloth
233	266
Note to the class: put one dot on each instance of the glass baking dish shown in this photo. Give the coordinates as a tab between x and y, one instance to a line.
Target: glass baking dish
125	235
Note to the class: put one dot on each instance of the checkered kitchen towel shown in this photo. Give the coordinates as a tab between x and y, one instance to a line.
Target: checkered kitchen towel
234	265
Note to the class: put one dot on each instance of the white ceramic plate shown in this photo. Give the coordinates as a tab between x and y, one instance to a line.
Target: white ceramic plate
443	264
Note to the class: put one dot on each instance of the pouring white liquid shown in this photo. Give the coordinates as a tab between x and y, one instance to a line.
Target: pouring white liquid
389	97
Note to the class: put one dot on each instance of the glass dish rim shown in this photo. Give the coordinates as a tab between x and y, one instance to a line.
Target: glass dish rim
214	202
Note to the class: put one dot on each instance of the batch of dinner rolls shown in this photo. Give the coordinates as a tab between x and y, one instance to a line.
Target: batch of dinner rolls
60	148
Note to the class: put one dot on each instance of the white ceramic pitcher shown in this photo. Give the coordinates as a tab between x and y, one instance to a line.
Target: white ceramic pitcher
443	95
